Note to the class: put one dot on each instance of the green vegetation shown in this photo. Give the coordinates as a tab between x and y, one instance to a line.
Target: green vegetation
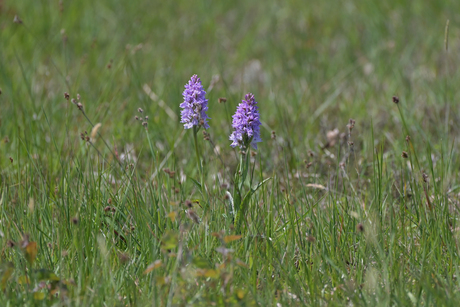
358	216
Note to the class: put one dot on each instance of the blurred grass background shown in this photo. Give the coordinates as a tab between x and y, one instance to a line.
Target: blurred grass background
311	65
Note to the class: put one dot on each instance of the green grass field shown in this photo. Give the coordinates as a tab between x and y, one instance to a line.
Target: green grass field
348	217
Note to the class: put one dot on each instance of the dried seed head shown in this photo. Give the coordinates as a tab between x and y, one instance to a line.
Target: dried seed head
171	174
140	110
309	164
222	100
107	208
6	139
66	96
123	257
0	91
166	170
310	153
11	160
109	201
407	138
144	124
273	135
25	241
359	227
311	239
10	244
193	216
17	19
136	117
253	153
80	106
188	204
396	99
351	124
146	118
206	136
405	155
73	101
425	177
78	96
75	220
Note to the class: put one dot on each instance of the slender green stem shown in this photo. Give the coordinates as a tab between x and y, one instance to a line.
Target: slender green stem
151	150
198	159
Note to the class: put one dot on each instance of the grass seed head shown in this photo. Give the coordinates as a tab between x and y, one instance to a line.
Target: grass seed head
193	216
17	20
425	177
408	139
405	155
396	99
123	257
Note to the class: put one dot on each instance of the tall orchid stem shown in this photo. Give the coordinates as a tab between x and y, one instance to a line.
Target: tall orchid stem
198	158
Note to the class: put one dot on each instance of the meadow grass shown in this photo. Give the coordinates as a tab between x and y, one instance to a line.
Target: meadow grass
120	215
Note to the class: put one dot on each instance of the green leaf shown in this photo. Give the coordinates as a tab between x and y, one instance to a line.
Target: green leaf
31	252
245	204
201	262
236	200
198	185
47	275
7	271
39	296
169	240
